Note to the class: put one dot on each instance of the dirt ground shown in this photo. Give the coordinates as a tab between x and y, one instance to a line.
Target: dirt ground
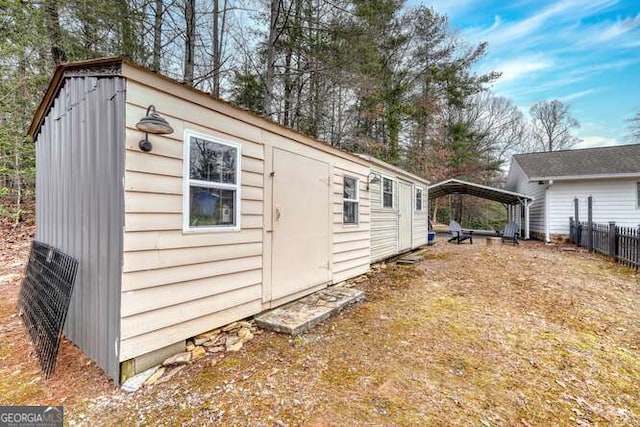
500	335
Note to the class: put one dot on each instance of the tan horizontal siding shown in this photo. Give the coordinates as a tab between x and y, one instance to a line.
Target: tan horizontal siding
180	313
351	264
148	299
159	259
351	245
383	251
339	247
141	96
172	239
159	338
144	182
341	257
184	273
351	236
350	273
160	165
250	148
173	221
136	202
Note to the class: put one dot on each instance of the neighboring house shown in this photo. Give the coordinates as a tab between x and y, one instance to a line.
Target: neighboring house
222	216
611	175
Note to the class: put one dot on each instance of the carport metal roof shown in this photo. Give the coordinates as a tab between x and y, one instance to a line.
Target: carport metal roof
456	186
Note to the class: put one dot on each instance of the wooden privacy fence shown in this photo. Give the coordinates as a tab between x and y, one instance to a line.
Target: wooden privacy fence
621	244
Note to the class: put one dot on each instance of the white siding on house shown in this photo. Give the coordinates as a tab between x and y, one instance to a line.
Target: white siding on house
613	200
519	183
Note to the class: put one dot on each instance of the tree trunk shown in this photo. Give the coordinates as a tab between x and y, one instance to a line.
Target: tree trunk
157	36
190	40
271	57
215	76
53	29
435	211
293	47
128	41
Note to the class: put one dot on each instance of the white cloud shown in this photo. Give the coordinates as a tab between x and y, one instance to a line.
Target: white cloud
596	141
562	11
576	95
610	31
454	7
517	68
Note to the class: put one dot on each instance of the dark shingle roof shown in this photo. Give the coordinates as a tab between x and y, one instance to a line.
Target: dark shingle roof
613	160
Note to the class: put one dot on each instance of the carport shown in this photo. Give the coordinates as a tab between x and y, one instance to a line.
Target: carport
517	204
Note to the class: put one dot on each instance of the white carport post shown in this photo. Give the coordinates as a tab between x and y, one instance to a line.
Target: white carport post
526	219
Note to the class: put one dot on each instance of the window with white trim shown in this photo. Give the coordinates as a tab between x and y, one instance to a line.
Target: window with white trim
387	193
211	183
418	198
351	201
637	194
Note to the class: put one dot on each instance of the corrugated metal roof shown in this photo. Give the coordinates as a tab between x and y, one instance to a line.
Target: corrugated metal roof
456	186
600	161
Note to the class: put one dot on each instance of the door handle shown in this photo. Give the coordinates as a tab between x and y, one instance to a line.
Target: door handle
277	213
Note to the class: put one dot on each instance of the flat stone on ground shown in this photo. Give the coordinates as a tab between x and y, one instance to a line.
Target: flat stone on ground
178	359
303	314
134	383
409	259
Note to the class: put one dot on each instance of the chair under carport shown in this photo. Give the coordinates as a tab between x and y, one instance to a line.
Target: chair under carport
517	204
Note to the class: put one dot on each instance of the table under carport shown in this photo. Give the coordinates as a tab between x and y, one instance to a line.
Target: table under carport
517	204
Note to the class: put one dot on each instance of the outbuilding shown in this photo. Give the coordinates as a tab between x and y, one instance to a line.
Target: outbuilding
214	215
399	210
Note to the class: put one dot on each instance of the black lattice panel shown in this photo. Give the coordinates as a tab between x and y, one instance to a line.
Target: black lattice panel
44	300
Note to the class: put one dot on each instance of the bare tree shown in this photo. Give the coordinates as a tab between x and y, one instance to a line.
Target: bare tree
552	126
217	44
274	32
634	128
157	36
190	40
498	124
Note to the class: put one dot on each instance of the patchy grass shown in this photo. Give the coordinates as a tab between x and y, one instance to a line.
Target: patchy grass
472	335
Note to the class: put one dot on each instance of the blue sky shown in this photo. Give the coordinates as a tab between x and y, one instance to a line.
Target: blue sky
582	52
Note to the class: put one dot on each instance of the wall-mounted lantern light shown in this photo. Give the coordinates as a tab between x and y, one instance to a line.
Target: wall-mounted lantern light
152	123
372	179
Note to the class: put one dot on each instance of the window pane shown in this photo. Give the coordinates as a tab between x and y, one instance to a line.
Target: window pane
350	213
418	199
388	185
388	200
211	207
213	162
350	191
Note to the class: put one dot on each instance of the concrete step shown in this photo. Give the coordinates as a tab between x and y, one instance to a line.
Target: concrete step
303	314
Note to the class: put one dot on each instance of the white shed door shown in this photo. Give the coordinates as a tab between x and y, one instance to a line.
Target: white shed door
405	220
300	253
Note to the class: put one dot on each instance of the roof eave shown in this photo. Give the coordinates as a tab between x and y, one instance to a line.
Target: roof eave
54	86
396	169
585	177
512	194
